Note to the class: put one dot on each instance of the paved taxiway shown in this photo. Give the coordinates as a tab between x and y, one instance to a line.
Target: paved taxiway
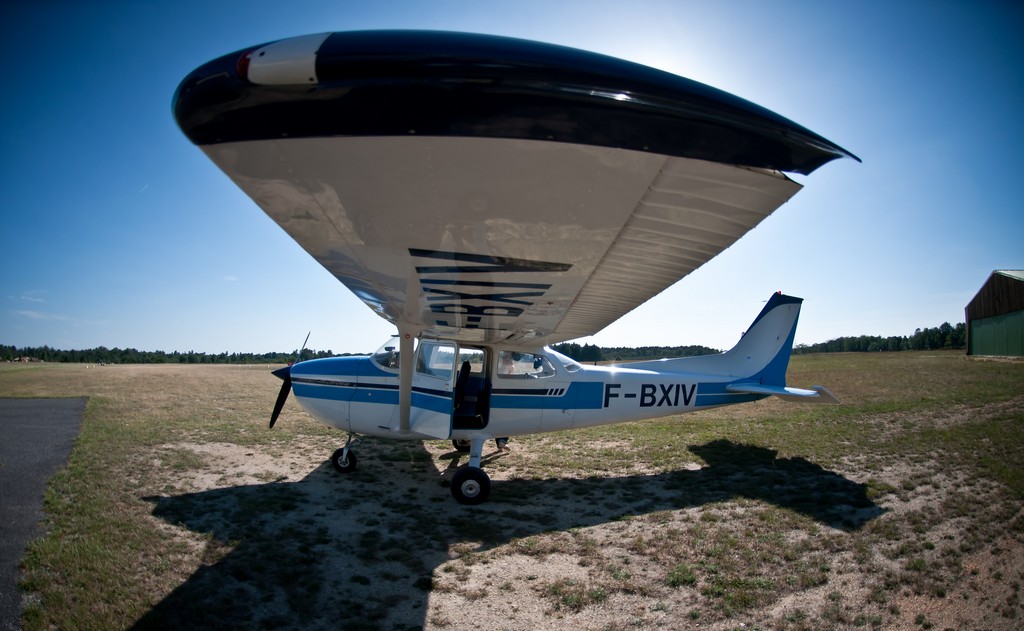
36	436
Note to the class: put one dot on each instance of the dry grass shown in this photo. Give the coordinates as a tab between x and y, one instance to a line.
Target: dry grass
899	509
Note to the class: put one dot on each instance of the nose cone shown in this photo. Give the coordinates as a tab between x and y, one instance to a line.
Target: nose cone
283	373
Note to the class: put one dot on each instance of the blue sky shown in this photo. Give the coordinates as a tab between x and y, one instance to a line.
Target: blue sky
118	232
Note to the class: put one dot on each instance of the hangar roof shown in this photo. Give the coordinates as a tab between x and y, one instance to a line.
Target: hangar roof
1012	273
1002	293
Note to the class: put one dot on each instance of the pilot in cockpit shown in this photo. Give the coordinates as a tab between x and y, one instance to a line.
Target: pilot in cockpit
506	364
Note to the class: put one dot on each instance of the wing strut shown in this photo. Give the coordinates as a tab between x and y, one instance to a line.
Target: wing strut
405	350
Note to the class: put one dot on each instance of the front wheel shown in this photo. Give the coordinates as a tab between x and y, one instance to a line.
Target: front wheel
461	445
343	463
470	485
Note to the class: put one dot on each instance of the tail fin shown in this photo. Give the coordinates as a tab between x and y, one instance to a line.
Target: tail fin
761	357
759	360
762	354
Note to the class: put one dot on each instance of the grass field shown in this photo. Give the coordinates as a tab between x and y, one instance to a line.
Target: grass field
899	509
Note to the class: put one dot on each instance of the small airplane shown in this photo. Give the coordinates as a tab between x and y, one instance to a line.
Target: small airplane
490	197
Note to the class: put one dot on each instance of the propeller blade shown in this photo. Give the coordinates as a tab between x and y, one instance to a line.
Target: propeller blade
285	374
298	355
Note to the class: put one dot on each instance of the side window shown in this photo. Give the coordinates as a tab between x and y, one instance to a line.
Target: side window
516	365
435	359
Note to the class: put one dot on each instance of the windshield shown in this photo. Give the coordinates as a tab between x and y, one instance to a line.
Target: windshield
387	354
568	363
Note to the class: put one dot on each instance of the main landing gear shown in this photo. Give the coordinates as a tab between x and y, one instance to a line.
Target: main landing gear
470	484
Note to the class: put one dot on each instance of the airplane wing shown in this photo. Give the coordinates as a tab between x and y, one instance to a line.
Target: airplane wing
492	189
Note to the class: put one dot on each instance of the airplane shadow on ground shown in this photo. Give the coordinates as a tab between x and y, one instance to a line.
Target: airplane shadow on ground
359	550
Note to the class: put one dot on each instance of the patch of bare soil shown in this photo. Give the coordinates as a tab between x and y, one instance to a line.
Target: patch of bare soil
278	538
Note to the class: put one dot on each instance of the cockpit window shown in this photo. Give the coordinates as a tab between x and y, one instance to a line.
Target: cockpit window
516	365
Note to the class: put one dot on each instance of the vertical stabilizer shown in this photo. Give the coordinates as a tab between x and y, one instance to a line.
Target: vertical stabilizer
762	354
761	357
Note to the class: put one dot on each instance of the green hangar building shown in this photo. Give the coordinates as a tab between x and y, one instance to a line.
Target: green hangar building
995	316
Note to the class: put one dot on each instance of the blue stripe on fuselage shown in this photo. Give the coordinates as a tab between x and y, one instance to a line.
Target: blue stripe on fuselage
583	395
589	395
377	394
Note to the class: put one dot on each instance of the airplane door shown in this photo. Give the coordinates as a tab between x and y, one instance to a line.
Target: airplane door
432	383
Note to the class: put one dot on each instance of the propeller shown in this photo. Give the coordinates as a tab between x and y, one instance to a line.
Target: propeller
285	375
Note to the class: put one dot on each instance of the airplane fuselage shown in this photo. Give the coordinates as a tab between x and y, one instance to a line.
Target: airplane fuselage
470	393
360	395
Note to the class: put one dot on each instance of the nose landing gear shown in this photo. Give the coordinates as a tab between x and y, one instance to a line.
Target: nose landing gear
344	459
470	484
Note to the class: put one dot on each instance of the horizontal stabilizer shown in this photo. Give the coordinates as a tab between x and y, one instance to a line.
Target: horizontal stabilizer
819	394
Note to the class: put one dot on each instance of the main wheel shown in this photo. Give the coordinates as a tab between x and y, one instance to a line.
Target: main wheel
343	463
470	485
461	445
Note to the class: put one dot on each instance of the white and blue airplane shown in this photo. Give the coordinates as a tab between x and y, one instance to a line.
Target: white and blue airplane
491	197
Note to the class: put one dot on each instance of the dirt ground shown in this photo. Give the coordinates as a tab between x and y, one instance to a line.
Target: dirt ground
743	542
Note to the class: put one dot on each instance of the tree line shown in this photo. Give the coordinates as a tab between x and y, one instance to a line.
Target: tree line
589	353
941	337
104	355
945	336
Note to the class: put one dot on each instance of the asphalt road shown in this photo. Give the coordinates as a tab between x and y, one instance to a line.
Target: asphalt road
36	436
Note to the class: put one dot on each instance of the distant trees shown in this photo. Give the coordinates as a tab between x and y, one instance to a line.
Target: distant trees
591	353
945	336
585	353
625	353
104	355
